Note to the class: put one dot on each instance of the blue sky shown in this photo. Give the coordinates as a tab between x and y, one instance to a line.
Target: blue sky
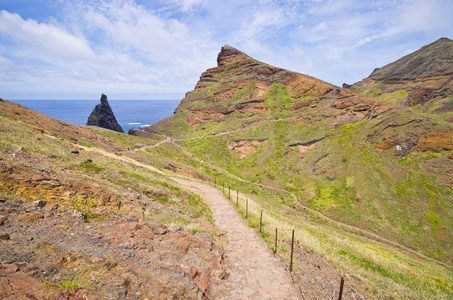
156	49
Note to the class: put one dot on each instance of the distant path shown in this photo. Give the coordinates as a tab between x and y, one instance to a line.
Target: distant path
253	272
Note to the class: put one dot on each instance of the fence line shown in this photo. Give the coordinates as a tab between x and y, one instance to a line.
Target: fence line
329	265
261	225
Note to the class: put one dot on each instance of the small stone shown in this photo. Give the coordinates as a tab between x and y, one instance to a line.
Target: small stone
4	236
75	151
2	220
77	214
30	218
161	231
9	268
87	161
176	228
39	203
132	218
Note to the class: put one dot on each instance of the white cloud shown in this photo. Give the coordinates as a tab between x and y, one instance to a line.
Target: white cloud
46	38
188	5
422	15
162	46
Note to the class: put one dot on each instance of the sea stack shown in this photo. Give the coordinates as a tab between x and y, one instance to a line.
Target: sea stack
102	116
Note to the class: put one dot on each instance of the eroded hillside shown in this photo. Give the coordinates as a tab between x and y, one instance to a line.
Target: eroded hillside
80	219
354	158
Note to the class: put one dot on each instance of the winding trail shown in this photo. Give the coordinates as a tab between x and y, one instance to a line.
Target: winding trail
253	272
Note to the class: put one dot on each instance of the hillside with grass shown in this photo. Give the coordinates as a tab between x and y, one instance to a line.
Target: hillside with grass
422	80
81	217
352	158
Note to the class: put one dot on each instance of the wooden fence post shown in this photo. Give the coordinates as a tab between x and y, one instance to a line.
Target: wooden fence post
229	192
247	208
276	234
261	220
341	288
237	197
292	249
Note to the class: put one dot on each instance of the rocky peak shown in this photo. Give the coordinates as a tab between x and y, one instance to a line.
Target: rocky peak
102	116
104	100
241	85
228	55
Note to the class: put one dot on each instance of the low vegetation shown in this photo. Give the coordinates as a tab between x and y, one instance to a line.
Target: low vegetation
343	171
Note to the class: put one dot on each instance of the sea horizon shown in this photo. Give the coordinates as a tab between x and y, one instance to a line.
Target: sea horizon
130	114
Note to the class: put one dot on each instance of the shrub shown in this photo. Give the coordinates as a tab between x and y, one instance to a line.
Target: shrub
82	205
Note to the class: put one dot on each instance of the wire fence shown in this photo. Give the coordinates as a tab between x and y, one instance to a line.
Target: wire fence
301	263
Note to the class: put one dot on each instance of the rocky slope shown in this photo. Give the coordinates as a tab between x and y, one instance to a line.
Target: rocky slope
102	116
422	79
359	160
78	221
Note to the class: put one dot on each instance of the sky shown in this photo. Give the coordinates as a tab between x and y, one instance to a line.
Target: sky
157	49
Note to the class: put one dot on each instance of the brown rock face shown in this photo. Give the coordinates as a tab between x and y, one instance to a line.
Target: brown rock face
228	55
34	184
245	147
436	141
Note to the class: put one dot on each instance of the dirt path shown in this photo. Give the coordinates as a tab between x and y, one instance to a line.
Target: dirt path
253	272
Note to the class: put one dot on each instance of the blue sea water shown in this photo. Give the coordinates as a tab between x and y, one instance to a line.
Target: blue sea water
128	113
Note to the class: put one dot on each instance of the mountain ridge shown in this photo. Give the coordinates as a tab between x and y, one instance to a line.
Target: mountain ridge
299	133
422	80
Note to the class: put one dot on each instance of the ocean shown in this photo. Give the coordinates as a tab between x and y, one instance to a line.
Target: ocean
128	113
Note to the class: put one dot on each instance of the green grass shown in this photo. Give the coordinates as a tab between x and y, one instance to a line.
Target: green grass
89	166
346	177
374	92
278	101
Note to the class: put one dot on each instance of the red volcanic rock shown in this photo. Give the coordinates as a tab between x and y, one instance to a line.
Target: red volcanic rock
436	141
